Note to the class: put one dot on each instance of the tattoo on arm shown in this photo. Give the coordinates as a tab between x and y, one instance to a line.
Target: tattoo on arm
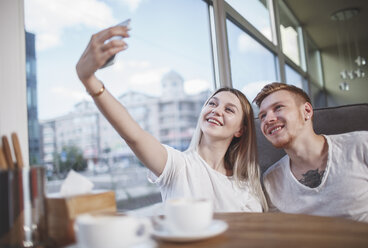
312	178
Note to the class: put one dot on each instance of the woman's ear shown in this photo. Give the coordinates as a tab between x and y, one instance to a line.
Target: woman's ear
239	132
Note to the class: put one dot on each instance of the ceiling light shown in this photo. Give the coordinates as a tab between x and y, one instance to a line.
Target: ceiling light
347	46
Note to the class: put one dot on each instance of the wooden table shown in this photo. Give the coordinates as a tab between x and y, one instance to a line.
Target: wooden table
283	230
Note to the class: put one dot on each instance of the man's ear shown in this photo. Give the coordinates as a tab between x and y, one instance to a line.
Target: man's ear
240	132
308	111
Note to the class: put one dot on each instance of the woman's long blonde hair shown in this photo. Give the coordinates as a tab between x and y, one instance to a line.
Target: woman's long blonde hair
241	155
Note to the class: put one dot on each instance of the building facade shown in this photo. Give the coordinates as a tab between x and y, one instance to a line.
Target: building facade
171	118
32	110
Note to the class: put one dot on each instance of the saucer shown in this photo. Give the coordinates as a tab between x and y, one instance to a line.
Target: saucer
216	227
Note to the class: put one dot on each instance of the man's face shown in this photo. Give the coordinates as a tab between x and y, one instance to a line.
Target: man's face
282	118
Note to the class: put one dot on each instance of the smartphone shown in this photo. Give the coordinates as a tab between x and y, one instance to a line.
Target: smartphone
111	60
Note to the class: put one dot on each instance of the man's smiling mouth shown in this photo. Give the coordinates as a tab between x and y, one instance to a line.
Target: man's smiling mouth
275	129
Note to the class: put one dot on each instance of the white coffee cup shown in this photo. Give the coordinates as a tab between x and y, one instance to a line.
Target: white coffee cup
111	231
187	215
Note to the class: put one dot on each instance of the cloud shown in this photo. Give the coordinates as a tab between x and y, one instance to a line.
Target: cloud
48	19
74	95
289	38
248	44
136	75
251	89
130	64
132	4
48	40
267	32
148	81
195	86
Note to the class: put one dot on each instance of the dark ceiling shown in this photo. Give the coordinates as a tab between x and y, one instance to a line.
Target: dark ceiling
314	16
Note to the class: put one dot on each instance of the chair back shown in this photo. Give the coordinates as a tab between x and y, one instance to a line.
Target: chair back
332	120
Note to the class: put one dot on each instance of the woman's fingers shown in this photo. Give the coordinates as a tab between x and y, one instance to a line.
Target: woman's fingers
100	49
113	44
110	52
108	33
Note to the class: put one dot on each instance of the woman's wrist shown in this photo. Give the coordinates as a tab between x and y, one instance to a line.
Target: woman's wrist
94	86
96	94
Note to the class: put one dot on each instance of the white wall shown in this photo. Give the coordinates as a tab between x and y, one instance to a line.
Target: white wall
13	105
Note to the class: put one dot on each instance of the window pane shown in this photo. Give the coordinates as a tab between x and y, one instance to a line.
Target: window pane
256	12
314	63
252	65
293	77
163	79
290	33
318	96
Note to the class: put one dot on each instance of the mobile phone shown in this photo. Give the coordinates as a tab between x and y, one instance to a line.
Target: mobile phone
111	60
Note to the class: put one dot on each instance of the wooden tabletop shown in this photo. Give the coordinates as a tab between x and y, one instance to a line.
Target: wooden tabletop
283	230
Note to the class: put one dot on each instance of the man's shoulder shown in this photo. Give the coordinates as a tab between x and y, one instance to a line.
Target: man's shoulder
277	168
356	137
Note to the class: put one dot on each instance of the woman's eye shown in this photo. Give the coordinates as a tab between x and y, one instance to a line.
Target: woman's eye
211	104
229	110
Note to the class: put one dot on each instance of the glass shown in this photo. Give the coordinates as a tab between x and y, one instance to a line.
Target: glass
293	77
290	34
318	96
314	63
256	12
168	66
33	125
252	65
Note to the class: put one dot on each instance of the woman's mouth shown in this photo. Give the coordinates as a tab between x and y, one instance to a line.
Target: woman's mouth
214	121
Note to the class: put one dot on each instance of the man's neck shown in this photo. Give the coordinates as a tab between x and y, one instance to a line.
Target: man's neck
308	159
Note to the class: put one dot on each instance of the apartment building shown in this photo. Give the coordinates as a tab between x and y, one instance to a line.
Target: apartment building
171	118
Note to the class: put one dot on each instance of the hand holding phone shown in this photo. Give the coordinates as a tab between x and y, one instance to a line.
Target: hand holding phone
111	60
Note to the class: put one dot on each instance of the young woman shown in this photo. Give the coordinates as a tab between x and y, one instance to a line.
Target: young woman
221	162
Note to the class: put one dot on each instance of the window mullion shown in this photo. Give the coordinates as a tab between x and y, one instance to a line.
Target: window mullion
223	60
280	55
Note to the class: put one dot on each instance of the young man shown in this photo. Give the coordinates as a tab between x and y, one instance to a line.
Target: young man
321	174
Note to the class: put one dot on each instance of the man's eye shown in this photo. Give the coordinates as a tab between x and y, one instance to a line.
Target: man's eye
211	103
278	107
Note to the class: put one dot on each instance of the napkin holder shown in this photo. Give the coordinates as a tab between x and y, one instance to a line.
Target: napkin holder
62	211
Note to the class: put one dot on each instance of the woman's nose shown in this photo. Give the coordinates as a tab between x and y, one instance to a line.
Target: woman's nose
216	110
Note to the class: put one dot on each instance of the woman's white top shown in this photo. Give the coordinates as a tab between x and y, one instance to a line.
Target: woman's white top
186	174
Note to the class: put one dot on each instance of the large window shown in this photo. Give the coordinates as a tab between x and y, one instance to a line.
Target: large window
256	12
163	78
291	35
252	65
168	64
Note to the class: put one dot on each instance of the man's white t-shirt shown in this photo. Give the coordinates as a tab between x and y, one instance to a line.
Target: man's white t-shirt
186	174
343	191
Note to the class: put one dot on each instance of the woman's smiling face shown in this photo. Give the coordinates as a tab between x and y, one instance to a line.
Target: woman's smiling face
222	116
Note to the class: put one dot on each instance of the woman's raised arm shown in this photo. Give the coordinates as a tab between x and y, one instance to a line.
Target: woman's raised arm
146	147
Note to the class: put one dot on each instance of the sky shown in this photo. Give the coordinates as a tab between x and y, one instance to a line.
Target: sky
165	35
161	41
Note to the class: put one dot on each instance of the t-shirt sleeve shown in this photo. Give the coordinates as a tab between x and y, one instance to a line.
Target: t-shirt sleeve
172	167
273	177
271	207
265	186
